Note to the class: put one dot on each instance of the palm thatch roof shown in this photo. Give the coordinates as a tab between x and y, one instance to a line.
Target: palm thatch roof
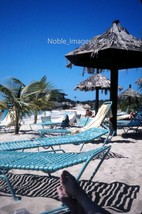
115	37
139	81
96	81
116	47
129	93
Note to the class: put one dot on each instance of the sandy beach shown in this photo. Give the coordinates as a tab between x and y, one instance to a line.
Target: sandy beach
118	181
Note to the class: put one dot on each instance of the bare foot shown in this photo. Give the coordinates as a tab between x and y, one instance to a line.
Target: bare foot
72	195
70	184
70	202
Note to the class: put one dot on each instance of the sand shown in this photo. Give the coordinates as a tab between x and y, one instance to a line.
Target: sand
126	170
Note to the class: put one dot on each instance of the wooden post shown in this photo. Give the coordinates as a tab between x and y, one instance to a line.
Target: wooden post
113	98
97	101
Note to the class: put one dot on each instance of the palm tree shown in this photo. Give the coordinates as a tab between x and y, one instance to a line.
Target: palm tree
37	94
12	100
25	99
3	105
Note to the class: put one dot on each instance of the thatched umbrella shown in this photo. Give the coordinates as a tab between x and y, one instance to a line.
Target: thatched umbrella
129	94
139	82
115	49
95	82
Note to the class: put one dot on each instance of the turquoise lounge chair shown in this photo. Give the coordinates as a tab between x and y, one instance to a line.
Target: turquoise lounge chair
63	131
128	125
83	121
48	162
87	136
3	114
46	121
96	122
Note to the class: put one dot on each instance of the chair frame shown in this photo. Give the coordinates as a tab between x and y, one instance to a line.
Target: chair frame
48	162
80	138
128	125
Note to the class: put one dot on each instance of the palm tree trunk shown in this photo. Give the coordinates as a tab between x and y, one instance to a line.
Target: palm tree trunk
35	116
16	122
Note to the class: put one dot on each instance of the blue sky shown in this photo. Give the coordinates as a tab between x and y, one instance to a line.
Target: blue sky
36	35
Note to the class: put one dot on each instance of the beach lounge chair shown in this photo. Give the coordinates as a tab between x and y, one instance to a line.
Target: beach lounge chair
139	114
48	162
83	121
96	122
47	121
3	114
8	121
128	125
80	138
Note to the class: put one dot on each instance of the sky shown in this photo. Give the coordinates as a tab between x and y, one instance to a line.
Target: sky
35	36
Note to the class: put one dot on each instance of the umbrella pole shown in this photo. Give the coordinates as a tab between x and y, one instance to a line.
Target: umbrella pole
97	101
113	98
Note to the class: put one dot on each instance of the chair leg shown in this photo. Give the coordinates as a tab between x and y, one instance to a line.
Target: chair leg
5	178
62	209
104	153
99	164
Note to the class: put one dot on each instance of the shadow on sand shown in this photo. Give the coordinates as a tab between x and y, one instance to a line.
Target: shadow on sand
132	135
114	196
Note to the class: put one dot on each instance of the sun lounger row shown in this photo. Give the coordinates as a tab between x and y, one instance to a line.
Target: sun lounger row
50	161
96	122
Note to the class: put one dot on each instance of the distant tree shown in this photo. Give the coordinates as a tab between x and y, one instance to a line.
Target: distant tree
56	95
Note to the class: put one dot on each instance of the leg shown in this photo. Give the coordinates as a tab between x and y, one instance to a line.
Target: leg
69	201
71	188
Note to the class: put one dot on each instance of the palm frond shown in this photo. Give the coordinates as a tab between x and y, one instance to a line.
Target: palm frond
7	93
3	105
17	81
